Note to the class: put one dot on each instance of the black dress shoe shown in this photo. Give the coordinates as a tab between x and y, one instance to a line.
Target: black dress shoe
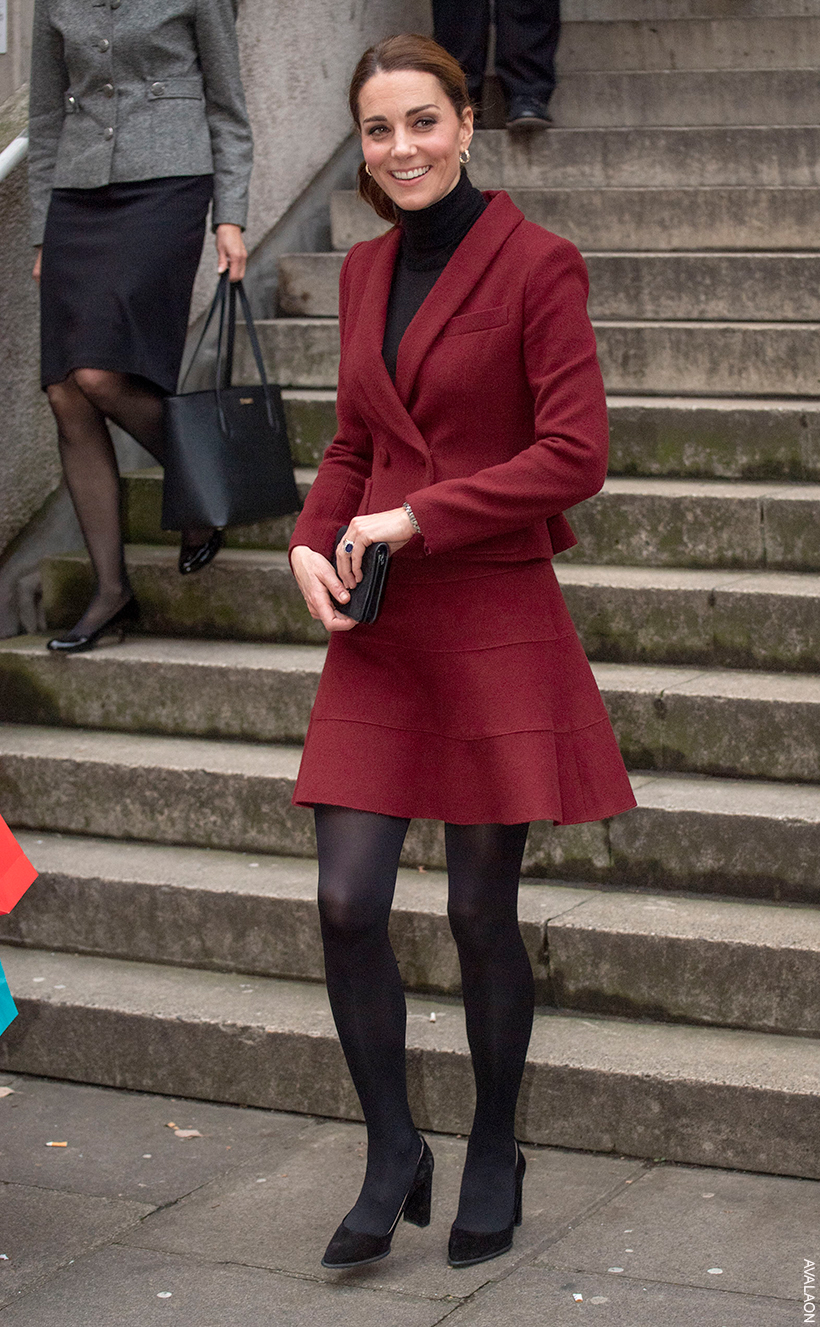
354	1248
114	625
528	113
193	557
468	1247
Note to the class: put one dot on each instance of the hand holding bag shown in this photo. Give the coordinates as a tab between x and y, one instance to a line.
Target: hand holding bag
228	461
366	597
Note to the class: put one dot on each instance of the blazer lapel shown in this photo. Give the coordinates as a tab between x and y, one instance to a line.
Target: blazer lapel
476	251
369	366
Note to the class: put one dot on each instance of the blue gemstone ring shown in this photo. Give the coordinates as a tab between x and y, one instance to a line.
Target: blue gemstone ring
348	547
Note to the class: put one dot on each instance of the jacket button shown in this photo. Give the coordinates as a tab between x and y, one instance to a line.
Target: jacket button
115	4
72	101
158	89
108	89
385	459
109	133
103	44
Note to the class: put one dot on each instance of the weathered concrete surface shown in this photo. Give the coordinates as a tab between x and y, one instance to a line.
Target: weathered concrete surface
786	42
687	97
696	358
236	911
692	960
244	1248
734	286
639	218
710	438
758	619
242	595
713	1096
142	514
648	158
720	836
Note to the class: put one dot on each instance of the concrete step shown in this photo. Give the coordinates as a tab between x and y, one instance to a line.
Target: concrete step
732	286
142	514
667	358
762	439
712	1096
688	97
716	836
717	962
763	155
768	439
646	11
785	42
763	619
715	618
717	217
691	523
727	722
645	522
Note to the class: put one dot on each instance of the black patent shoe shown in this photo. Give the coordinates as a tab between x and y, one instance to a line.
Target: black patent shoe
468	1247
193	557
113	626
355	1248
528	113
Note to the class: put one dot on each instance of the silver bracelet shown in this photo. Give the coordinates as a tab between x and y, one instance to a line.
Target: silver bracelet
413	520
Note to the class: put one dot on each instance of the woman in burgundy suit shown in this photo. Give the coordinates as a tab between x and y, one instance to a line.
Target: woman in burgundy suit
471	415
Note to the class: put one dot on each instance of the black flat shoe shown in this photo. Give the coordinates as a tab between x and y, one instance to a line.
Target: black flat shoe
113	626
468	1247
354	1248
528	113
193	557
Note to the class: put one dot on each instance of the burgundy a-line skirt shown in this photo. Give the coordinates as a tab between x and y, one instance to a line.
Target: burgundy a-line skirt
469	700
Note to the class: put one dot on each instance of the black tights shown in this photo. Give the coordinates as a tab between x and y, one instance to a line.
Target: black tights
358	861
81	405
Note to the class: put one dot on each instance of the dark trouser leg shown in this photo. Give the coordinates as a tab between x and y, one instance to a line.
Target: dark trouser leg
90	468
358	860
462	27
484	864
527	34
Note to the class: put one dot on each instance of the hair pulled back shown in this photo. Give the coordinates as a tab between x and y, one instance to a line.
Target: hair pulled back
409	50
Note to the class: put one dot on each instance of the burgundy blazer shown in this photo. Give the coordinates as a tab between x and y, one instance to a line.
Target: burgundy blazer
497	420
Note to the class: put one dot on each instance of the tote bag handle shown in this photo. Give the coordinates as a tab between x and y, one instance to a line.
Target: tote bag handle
225	300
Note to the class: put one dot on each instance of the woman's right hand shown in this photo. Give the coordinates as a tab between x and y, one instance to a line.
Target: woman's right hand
318	581
38	263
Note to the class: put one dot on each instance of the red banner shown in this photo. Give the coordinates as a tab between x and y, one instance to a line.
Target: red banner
16	871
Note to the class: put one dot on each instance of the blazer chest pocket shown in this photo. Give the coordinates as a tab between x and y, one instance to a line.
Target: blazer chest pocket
162	89
481	320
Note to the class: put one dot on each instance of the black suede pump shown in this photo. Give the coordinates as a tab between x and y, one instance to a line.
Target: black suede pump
354	1248
467	1247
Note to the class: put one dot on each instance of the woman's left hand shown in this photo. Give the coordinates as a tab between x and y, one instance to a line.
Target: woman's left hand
230	247
383	527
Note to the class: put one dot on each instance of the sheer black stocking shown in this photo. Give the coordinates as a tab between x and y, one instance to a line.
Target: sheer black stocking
90	467
484	865
358	860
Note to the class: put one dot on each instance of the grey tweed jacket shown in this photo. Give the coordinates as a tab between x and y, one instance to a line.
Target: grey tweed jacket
137	90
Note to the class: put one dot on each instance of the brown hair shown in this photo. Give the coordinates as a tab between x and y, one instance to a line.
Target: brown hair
407	51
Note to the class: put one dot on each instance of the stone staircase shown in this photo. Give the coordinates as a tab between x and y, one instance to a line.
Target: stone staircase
171	943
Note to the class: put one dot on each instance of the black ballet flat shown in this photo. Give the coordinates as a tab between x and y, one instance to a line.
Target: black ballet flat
468	1247
355	1248
113	626
195	557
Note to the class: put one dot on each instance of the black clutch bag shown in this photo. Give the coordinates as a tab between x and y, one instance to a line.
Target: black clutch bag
227	460
365	600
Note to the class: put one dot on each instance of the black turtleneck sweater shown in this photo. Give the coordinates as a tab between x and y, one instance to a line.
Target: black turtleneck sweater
429	238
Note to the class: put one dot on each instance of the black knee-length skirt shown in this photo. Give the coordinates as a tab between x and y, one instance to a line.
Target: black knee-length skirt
118	269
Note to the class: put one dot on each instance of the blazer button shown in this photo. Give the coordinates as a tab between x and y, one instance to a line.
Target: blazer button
103	44
385	459
108	89
158	89
115	4
72	100
109	133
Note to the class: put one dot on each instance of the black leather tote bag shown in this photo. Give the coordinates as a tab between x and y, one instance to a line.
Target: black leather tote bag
227	460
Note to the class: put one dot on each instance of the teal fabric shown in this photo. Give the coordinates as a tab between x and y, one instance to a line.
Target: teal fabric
8	1009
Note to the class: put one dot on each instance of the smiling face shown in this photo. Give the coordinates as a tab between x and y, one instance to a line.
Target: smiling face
412	136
